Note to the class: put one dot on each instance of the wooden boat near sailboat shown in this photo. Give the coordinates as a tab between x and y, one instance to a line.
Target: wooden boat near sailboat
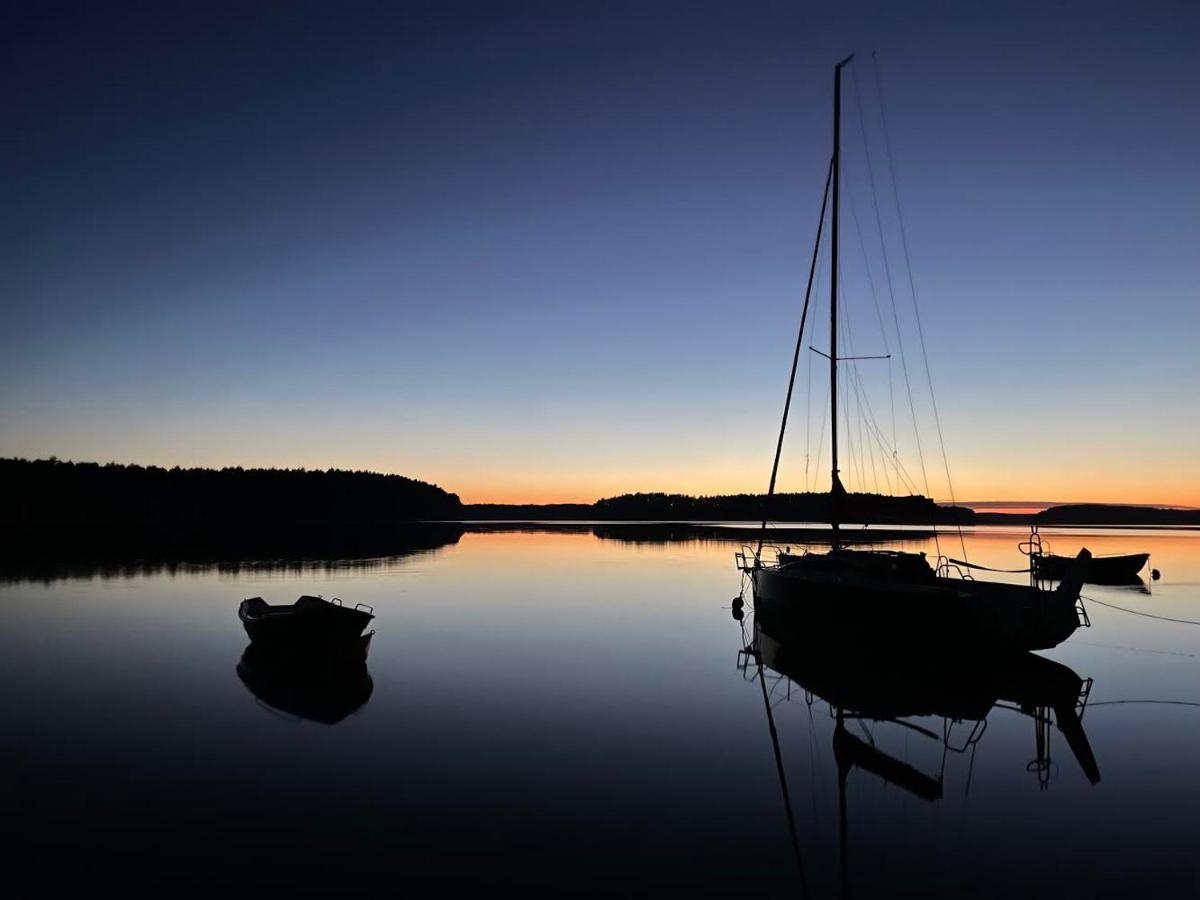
1113	569
893	596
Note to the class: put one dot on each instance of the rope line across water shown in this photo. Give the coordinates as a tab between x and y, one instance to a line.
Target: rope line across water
1137	613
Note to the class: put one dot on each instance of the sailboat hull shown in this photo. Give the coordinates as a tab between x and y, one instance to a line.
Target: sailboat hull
936	613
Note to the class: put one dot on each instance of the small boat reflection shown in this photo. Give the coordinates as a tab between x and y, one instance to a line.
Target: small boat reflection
861	685
324	686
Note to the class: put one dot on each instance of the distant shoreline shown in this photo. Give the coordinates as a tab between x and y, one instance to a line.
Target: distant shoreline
295	508
722	527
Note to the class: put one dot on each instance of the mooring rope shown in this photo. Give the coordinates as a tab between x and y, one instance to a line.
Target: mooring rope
1135	612
969	565
1150	702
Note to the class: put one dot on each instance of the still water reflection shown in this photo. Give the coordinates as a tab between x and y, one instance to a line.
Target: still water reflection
572	713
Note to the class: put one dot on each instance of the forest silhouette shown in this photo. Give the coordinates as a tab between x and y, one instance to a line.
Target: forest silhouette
54	491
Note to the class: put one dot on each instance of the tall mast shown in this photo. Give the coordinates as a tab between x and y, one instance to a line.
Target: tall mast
835	484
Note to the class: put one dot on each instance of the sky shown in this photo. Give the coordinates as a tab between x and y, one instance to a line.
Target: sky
556	251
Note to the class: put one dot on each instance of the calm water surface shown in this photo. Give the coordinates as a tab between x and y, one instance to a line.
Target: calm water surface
567	714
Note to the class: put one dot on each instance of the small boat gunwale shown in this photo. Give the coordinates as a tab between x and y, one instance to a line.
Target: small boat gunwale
310	620
1113	568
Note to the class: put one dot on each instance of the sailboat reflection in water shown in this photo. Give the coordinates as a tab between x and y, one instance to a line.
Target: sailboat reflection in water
862	686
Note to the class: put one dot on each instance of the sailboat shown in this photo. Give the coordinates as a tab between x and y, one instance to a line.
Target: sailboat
894	596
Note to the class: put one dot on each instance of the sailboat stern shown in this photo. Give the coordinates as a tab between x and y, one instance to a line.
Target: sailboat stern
1072	583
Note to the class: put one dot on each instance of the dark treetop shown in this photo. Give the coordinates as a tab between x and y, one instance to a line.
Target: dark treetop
807	507
50	491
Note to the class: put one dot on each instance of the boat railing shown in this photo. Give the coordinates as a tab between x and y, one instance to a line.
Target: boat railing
337	601
1035	548
974	735
946	567
1085	693
750	558
1082	614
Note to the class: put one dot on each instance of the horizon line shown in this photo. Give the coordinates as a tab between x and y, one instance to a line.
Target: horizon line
1016	505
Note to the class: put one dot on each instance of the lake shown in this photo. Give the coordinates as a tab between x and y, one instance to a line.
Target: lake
567	713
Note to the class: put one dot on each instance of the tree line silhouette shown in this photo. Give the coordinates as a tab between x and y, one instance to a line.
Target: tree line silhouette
53	491
796	507
1112	514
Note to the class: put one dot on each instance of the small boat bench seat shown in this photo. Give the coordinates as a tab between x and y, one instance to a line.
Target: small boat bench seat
257	606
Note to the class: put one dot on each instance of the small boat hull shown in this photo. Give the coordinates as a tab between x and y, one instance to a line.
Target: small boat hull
310	621
1101	570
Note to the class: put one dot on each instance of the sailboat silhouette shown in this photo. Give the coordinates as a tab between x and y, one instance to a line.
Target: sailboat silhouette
891	596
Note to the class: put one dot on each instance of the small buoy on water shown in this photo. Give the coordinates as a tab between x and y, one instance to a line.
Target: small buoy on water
738	602
1155	574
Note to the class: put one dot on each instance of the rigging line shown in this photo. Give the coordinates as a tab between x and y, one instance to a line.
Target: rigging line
787	800
1143	614
855	445
821	438
862	246
808	393
861	390
864	448
876	435
853	375
887	269
847	344
883	460
807	420
812	270
871	450
862	441
887	452
845	432
892	403
903	478
843	375
887	143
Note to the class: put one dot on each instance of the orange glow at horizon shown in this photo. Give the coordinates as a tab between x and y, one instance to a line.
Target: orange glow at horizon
1033	494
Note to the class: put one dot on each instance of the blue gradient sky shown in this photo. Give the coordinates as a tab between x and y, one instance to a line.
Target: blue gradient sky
556	251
